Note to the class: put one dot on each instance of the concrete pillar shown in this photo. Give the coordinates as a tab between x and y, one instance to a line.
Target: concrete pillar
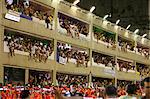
1	73
91	26
116	40
134	64
115	68
149	18
53	72
90	57
55	3
116	71
54	77
91	37
1	42
26	75
90	80
55	49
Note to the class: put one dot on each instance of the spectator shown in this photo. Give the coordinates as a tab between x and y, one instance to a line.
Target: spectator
31	11
68	52
111	92
131	90
25	94
73	27
147	88
104	37
36	49
143	70
106	60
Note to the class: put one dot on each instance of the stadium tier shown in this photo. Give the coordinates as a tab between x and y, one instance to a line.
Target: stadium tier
56	42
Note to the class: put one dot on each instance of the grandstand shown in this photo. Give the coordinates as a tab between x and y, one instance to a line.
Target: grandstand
54	41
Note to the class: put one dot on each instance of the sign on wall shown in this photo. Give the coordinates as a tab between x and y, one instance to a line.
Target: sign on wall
12	15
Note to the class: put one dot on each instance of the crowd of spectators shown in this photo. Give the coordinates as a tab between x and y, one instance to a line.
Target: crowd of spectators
122	86
123	83
38	78
99	82
69	52
143	51
125	45
104	37
73	27
69	80
106	60
37	48
125	66
73	88
27	10
143	70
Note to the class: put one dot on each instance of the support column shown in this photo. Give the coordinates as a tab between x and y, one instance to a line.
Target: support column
116	71
91	38
54	71
134	64
55	3
116	40
1	74
91	26
1	42
115	67
90	57
148	18
54	77
26	76
89	80
55	50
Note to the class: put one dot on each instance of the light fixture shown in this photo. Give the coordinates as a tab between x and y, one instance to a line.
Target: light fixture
117	22
128	26
136	31
106	16
76	2
144	35
92	9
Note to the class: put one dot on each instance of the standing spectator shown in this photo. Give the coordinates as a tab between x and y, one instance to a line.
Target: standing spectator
47	21
131	90
111	92
147	88
25	94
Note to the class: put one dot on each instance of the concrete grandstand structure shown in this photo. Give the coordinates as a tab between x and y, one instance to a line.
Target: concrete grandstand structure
38	30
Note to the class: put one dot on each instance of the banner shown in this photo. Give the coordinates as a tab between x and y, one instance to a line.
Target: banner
109	71
62	60
13	15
